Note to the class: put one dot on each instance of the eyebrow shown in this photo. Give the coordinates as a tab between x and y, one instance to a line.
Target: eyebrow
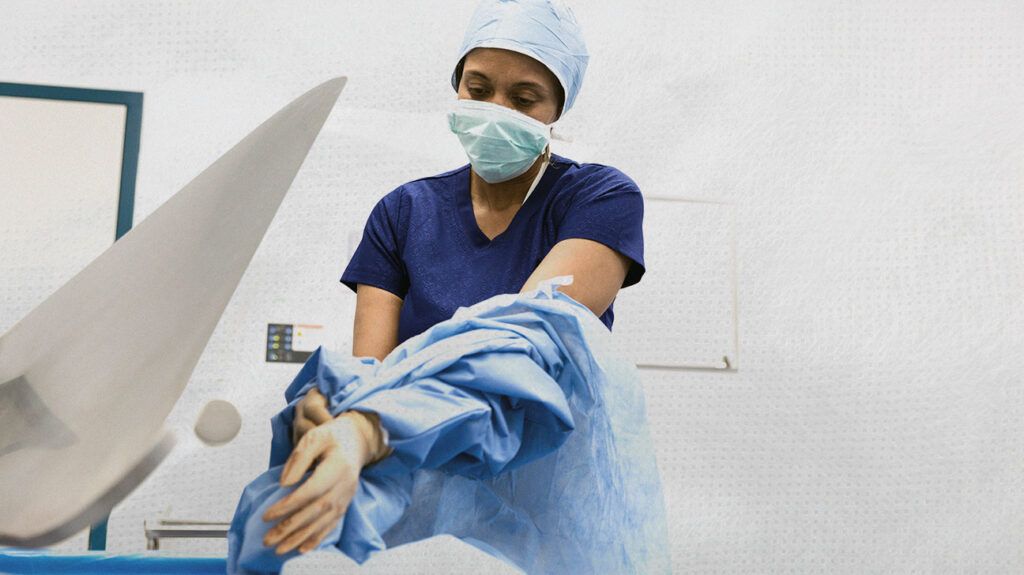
525	84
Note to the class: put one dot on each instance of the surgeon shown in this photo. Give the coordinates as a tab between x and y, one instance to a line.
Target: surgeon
515	215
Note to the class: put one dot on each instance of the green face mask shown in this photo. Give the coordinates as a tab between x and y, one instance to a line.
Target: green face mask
501	143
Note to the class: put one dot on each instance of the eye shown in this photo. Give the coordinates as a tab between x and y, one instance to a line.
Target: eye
476	91
523	102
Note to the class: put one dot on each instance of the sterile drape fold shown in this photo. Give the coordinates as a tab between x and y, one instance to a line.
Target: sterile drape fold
513	427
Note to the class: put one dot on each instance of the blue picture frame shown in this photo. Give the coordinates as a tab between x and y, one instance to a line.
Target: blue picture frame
132	133
129	168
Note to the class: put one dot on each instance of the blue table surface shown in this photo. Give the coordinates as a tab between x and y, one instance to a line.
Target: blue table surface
18	561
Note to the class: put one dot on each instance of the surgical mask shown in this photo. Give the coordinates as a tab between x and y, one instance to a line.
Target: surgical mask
501	143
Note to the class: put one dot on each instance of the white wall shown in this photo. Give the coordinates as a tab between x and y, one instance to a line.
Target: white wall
873	155
60	184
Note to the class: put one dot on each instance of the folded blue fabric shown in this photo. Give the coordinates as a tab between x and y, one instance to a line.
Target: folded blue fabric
514	427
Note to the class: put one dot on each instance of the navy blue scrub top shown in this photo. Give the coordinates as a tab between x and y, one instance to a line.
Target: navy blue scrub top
422	243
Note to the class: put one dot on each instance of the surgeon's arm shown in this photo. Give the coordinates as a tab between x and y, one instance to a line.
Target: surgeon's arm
375	334
598	272
343	445
375	330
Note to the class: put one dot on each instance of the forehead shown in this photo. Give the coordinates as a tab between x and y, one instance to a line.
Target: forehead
506	66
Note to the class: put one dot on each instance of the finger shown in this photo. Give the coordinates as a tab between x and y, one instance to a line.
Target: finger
290	524
314	397
315	539
325	477
300	428
309	447
342	493
314	408
298	420
300	411
329	513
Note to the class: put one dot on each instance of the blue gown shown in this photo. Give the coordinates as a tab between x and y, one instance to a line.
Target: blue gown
514	427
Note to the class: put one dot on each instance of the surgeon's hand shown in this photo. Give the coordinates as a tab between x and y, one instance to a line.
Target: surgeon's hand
310	412
339	449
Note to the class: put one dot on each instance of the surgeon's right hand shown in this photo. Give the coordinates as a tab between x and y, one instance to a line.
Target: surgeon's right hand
310	412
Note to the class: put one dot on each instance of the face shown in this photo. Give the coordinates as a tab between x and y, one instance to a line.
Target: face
512	80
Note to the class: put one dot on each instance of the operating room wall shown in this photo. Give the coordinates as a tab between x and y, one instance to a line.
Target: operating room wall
872	154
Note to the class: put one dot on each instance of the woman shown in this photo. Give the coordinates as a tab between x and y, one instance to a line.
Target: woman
514	216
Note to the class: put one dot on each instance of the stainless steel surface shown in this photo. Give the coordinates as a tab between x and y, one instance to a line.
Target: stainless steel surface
157	529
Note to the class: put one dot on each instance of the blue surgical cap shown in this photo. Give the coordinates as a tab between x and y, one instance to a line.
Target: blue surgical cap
545	30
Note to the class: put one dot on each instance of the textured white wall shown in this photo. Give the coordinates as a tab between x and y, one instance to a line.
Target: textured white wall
872	151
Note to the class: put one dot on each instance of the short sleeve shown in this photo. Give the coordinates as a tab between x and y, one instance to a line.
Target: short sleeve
377	260
609	211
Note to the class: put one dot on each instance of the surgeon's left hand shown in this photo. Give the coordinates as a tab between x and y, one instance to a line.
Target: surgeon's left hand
339	449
